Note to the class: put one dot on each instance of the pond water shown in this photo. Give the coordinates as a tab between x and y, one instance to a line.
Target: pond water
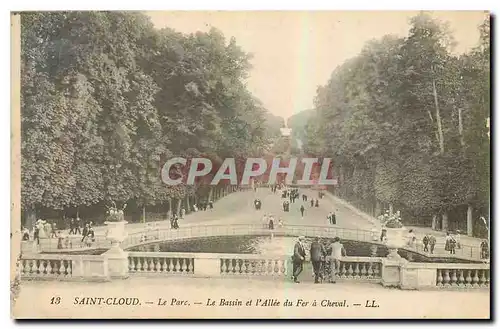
280	245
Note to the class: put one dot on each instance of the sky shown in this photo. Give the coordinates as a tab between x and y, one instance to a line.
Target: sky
294	52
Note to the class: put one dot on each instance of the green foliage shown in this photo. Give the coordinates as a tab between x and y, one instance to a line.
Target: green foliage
377	117
107	99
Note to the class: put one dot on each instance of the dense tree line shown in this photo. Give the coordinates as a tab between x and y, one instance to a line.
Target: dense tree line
107	98
405	122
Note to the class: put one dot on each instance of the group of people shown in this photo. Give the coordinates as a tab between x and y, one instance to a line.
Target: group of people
429	242
325	259
332	218
45	230
286	206
269	222
276	187
314	203
41	229
174	221
204	205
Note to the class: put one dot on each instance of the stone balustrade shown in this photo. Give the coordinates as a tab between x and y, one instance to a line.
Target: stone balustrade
64	267
445	276
254	265
167	234
160	263
475	278
403	274
360	269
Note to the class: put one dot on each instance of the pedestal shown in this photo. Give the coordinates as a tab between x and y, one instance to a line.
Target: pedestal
117	263
207	267
117	257
391	270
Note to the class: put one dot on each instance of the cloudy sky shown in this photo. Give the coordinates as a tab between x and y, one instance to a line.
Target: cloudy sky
295	52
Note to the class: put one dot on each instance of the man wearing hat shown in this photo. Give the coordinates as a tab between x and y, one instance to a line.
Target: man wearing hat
299	255
337	251
317	257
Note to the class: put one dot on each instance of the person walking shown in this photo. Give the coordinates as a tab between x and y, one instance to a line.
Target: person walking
336	251
450	243
425	241
411	239
312	202
317	203
317	257
26	234
85	232
265	221
271	223
432	243
36	234
53	232
457	239
298	258
302	210
72	228
334	219
484	249
78	226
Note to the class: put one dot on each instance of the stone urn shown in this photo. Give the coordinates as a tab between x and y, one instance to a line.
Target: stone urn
116	234
395	240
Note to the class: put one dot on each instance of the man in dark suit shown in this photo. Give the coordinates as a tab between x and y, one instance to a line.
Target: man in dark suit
299	255
317	257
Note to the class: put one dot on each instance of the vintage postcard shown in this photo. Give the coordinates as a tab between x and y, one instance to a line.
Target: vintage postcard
251	164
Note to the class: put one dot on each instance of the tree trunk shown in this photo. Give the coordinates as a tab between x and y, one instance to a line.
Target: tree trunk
470	223
170	209
391	209
30	218
438	118
434	222
188	208
179	204
461	129
444	226
210	192
378	208
432	123
144	214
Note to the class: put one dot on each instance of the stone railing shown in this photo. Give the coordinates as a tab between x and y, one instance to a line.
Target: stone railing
360	268
160	263
389	272
63	267
242	265
254	265
445	276
196	231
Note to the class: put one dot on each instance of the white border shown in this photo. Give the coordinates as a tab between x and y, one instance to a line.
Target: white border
179	5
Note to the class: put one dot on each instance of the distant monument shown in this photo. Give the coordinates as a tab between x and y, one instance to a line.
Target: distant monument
285	131
285	134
